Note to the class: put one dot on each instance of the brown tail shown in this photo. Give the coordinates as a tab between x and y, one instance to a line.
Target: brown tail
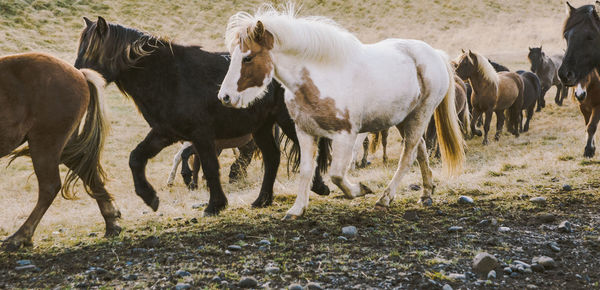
448	131
514	111
375	143
84	149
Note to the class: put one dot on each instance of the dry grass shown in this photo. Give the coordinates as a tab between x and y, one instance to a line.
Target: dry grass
501	171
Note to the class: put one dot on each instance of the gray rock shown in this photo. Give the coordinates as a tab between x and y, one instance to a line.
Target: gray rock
227	252
263	248
342	238
525	265
538	200
503	229
554	247
483	263
234	248
484	223
182	273
215	279
455	229
313	286
565	226
182	286
248	282
537	267
514	274
414	187
349	231
272	270
531	286
456	276
545	218
26	268
491	275
295	287
263	243
325	235
465	200
23	262
567	187
546	262
447	287
507	270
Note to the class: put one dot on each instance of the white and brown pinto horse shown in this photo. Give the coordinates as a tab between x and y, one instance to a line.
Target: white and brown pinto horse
338	87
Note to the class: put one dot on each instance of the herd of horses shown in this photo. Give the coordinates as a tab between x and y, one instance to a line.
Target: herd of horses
305	80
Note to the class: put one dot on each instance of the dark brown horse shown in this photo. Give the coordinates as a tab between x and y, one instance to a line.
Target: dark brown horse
42	102
492	93
587	93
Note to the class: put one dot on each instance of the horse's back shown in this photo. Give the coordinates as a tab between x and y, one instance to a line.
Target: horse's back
532	87
510	87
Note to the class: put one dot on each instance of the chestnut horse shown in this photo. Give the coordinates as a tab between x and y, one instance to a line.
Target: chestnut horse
42	102
492	93
587	93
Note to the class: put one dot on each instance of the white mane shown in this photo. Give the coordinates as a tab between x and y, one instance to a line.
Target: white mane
486	69
310	38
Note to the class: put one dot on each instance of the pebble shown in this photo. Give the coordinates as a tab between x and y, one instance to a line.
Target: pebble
455	229
263	243
545	218
414	187
216	279
313	286
514	274
227	252
194	220
23	262
248	282
565	226
465	200
182	286
182	273
130	277
295	287
455	276
447	287
342	238
26	268
484	223
525	265
504	229
567	187
484	263
263	248
531	286
491	275
349	231
547	262
234	248
92	235
538	200
325	235
554	247
272	270
507	270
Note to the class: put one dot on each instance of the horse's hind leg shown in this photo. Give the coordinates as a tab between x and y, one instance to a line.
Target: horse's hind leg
148	148
474	118
529	116
240	165
486	126
541	101
499	123
186	171
590	146
271	157
176	161
558	99
426	174
384	137
342	148
308	150
46	158
206	151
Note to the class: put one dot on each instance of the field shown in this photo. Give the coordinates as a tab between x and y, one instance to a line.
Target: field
406	246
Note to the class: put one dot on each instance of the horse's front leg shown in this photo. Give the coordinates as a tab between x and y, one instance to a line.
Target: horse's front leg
499	124
176	161
541	101
558	98
486	126
361	139
206	152
590	146
476	116
308	150
342	150
266	143
148	148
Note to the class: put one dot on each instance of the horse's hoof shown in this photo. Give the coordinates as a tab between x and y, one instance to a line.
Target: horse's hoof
192	186
113	231
426	201
379	207
589	152
364	189
290	217
13	244
154	204
212	210
321	190
485	142
259	203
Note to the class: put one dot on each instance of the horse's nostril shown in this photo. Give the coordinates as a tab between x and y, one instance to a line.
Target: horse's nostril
227	99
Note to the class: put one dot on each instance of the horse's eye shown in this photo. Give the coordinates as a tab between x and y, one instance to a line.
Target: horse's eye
247	59
589	37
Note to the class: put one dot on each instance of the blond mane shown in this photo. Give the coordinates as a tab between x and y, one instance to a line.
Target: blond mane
309	38
486	69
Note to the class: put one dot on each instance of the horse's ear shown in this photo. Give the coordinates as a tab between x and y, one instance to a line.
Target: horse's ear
570	8
259	30
463	50
101	26
88	22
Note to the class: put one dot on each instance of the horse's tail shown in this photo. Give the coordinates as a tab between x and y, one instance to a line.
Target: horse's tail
514	111
84	149
448	131
373	145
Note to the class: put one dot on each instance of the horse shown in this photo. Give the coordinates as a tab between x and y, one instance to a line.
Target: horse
43	101
497	67
492	93
532	90
174	87
587	94
238	168
338	87
370	144
464	116
546	69
581	31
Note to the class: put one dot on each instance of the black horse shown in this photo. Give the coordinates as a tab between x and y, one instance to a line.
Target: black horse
582	33
175	89
532	90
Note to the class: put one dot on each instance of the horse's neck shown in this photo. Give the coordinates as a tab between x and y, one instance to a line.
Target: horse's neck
481	85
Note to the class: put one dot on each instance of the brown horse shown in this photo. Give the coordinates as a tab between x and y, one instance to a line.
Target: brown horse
492	93
587	93
42	102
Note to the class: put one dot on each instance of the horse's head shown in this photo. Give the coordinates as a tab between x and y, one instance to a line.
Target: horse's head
251	68
582	33
109	48
466	65
536	57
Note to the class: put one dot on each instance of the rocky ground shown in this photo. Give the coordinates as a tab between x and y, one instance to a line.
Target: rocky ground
341	245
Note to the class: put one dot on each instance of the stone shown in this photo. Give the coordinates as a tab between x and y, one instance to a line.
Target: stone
554	247
483	263
26	268
503	229
414	187
531	286
507	270
545	218
465	200
23	262
295	287
182	286
313	286
538	200
514	274
263	243
272	270
215	279
546	262
234	248
447	287
198	205
567	187
248	282
455	229
491	275
565	227
525	265
182	273
456	276
349	231
263	248
325	235
342	238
